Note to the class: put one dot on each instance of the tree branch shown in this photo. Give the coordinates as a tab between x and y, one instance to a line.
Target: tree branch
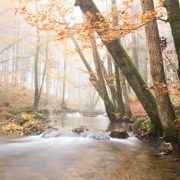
9	46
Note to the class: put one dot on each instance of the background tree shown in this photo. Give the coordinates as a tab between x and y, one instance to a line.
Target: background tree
165	109
173	9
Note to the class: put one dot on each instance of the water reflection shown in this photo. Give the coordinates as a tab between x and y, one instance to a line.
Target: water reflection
66	122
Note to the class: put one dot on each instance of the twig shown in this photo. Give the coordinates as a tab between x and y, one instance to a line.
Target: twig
14	59
9	46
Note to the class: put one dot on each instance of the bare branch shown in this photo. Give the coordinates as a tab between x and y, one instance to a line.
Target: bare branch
164	20
1	62
9	46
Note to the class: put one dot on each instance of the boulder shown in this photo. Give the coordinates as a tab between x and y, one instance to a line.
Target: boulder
119	134
80	129
51	132
165	148
95	135
99	136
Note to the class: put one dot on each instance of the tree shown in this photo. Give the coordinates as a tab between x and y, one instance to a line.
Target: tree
123	60
97	82
38	87
164	106
102	74
36	60
173	9
63	104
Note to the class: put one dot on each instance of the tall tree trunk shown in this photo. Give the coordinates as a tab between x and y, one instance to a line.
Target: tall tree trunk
44	73
173	9
98	66
110	75
126	96
109	64
135	51
36	60
63	105
119	91
165	109
117	70
94	81
123	60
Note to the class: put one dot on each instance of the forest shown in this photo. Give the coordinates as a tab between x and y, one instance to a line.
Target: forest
89	89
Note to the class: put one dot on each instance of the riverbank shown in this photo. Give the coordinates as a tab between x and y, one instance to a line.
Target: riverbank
22	122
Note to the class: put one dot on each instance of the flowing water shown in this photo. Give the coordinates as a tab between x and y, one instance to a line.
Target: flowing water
75	158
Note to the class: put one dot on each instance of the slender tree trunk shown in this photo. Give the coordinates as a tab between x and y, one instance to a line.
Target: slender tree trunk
123	60
165	109
109	75
109	64
63	105
44	74
36	60
94	81
173	9
126	96
98	66
119	91
135	52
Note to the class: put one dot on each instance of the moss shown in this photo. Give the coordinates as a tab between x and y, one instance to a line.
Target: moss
170	134
20	120
148	125
144	122
139	121
37	115
178	137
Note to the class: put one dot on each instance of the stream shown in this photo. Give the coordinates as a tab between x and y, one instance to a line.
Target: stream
78	158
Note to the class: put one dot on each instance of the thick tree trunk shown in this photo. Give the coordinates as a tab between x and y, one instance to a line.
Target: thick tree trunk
173	9
165	109
122	59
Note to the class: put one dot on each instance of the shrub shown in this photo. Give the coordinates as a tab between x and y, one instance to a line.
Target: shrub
143	122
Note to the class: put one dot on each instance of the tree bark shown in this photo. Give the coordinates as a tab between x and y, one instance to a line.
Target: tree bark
164	106
123	60
173	9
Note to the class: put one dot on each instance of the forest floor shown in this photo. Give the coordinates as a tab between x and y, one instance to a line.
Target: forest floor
22	122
